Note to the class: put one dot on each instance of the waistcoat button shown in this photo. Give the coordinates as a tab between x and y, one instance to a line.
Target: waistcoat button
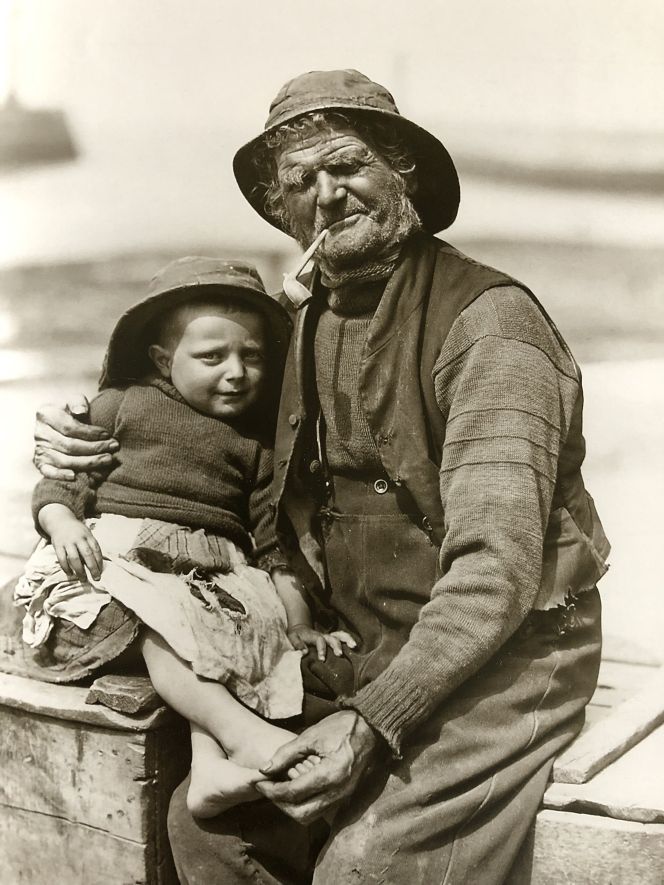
293	420
381	486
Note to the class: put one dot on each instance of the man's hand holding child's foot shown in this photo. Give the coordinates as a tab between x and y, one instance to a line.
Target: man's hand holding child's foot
218	783
303	767
214	788
224	777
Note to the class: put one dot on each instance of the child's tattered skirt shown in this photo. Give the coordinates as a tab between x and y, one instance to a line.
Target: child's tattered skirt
195	589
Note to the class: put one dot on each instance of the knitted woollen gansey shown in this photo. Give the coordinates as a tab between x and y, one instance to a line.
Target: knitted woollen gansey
176	465
340	336
511	396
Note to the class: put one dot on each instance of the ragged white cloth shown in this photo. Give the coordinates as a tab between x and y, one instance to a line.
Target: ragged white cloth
231	627
48	593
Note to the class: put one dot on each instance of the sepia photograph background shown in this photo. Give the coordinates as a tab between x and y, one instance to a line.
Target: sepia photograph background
118	123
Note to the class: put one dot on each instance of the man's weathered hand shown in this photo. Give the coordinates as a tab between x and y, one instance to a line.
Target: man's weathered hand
65	446
346	746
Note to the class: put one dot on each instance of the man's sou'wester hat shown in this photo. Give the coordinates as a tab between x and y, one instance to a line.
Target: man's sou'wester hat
189	279
437	195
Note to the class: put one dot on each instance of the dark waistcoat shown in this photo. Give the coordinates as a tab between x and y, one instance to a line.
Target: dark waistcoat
432	284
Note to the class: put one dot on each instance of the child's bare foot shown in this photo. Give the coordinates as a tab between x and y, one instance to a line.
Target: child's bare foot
219	786
260	740
304	766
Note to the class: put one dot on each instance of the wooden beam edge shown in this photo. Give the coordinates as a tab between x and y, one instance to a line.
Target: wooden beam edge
613	735
576	821
556	799
68	702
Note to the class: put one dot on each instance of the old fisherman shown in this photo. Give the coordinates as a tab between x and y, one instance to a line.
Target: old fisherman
428	481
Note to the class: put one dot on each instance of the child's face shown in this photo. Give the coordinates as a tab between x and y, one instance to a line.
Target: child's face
218	363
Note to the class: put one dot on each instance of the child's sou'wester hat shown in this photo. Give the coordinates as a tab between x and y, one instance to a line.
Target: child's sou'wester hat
437	196
190	279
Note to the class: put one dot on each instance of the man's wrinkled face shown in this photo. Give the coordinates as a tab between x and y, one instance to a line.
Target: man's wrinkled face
335	180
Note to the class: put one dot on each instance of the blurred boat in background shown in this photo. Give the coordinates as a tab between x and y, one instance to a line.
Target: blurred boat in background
31	136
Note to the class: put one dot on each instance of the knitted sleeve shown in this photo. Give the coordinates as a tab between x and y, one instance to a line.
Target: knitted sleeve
79	495
262	515
506	386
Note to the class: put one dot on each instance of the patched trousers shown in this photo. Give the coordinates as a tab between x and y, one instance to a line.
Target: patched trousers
456	808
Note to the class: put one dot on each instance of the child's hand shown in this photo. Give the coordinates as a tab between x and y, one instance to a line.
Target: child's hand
76	547
302	636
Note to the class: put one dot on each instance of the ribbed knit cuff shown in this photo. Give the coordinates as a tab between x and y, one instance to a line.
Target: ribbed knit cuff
391	705
49	491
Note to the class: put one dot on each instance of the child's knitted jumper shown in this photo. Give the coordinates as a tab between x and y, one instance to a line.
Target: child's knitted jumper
177	465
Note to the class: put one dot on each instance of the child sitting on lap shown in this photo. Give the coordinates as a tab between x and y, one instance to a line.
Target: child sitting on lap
156	553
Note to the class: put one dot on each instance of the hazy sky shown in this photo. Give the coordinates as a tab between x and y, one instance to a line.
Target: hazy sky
147	63
160	93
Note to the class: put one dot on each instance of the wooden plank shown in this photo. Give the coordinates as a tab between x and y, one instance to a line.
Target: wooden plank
594	715
631	788
620	648
604	742
624	678
125	694
168	755
583	849
68	702
96	777
36	849
618	681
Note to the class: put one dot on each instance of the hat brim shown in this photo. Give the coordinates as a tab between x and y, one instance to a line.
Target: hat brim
436	199
127	360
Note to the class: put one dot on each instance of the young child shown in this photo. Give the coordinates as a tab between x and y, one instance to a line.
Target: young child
155	553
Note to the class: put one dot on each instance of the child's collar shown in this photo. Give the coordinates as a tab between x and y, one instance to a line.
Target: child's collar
166	387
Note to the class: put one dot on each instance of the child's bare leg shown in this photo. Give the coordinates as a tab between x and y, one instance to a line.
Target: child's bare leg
247	739
216	783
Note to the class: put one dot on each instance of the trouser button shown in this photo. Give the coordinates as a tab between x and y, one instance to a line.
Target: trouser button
381	486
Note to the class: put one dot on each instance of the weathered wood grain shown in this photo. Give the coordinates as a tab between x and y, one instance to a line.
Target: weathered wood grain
90	789
583	849
87	775
36	849
124	694
609	738
68	702
631	788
